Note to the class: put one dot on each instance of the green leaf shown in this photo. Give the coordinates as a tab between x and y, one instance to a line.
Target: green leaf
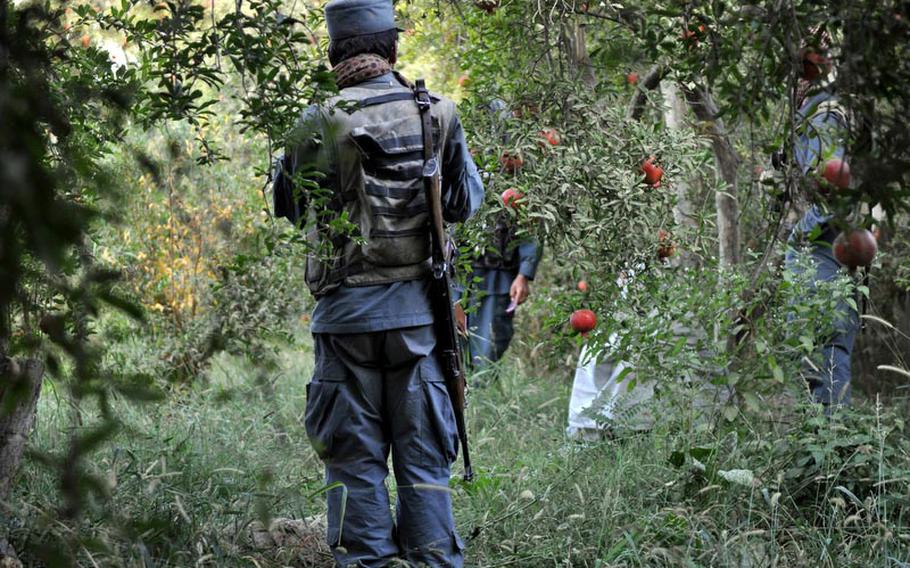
806	343
753	403
677	458
776	372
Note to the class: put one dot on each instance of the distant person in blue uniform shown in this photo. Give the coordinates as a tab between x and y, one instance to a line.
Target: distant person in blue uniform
501	276
500	282
377	386
821	135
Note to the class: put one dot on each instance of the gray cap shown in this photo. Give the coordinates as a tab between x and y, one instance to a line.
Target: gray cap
349	18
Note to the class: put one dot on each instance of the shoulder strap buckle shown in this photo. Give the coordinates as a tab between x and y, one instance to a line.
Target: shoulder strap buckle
422	95
430	167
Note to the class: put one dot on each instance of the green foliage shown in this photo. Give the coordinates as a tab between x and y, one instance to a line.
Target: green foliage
180	480
102	174
69	108
585	197
183	483
563	66
183	60
749	54
256	300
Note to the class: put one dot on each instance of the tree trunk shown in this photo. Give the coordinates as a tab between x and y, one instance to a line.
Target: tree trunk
675	116
727	160
578	53
20	386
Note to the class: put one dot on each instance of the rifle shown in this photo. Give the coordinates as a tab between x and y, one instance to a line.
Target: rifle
448	347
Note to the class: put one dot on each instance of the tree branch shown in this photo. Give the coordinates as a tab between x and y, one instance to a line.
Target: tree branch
728	161
650	82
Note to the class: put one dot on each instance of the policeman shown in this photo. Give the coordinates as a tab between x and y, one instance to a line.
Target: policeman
377	386
502	272
500	282
821	135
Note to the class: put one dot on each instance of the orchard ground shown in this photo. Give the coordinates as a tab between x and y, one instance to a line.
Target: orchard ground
186	477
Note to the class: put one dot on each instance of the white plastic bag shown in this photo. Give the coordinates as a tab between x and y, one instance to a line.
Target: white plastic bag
601	395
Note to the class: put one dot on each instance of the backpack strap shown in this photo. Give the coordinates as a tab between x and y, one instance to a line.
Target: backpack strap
386	98
390	97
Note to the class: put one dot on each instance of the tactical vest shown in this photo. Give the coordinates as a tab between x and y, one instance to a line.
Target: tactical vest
501	253
373	151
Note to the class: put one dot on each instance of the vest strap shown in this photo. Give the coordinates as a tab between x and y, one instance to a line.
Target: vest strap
400	212
406	173
388	98
381	234
377	190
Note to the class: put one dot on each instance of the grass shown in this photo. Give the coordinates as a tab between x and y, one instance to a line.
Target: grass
186	475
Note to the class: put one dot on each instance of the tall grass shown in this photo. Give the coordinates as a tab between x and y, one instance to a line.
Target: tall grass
187	476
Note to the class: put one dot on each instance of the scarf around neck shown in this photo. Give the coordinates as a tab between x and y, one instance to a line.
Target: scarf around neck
360	68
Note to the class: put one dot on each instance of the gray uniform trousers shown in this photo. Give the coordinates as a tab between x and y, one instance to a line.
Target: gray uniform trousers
373	393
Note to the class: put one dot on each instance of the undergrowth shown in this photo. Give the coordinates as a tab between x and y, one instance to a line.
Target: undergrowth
183	478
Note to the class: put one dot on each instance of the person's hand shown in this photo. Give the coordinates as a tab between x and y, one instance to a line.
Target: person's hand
520	289
461	320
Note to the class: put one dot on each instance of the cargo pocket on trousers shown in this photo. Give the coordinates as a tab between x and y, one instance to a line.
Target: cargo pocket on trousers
442	431
322	417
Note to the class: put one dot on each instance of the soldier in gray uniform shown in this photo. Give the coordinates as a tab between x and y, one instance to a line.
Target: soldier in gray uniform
377	386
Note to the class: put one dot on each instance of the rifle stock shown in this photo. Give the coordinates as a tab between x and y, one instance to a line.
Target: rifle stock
448	347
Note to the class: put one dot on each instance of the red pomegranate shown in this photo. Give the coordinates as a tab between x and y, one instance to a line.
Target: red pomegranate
512	197
665	248
837	173
511	163
549	136
653	172
855	247
582	286
583	321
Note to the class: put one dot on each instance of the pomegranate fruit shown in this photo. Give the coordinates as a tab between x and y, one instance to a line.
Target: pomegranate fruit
549	136
837	172
855	247
583	321
510	162
653	172
512	197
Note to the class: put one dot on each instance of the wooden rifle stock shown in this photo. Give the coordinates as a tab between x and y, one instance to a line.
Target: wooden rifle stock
448	347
